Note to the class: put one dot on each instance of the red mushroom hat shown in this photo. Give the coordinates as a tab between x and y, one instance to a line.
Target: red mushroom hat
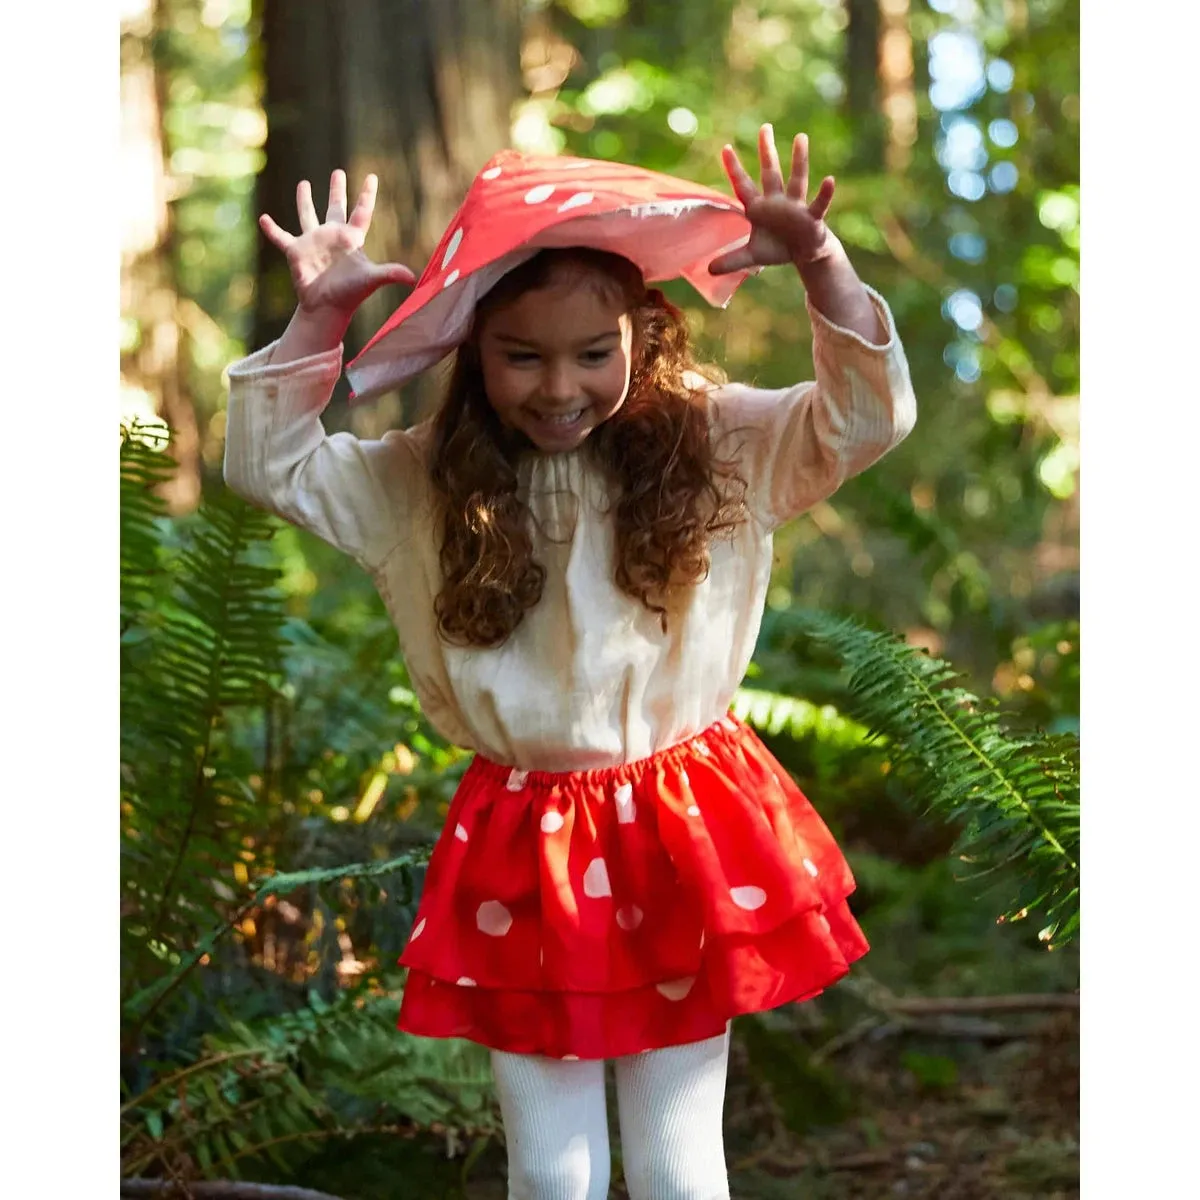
520	204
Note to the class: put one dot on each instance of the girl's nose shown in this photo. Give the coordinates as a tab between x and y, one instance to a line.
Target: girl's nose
558	382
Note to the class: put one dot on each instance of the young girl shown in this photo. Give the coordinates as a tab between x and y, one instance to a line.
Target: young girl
575	551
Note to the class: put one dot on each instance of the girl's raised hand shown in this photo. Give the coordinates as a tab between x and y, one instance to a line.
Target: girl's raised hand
329	270
785	227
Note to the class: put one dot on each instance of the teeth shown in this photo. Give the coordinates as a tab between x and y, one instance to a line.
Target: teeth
564	419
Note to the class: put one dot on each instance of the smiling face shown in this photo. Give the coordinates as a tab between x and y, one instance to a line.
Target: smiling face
556	359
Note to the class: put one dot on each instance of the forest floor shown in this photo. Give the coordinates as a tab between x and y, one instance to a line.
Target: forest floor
971	1109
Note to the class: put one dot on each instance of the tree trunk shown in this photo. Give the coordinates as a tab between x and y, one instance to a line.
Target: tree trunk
863	91
896	80
154	365
417	91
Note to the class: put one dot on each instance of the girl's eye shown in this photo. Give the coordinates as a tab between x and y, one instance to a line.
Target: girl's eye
520	357
595	357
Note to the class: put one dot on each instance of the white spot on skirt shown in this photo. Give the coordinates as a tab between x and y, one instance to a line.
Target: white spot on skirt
576	201
466	981
451	278
675	989
701	748
825	921
685	779
536	195
595	879
702	939
727	723
693	810
490	173
460	832
552	822
749	897
629	917
493	918
452	248
418	929
811	867
516	780
626	809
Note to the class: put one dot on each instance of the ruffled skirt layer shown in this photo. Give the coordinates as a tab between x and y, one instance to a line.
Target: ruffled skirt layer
601	913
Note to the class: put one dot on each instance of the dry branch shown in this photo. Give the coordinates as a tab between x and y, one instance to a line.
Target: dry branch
924	1006
219	1189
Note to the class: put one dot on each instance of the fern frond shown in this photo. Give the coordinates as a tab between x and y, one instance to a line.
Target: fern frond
1016	796
140	1005
213	643
145	466
775	713
329	1069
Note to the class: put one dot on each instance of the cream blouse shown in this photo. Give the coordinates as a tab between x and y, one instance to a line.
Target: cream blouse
588	679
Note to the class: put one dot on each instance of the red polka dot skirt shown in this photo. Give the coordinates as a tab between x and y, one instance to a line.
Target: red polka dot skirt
594	914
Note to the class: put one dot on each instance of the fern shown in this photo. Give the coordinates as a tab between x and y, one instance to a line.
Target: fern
1016	796
274	1087
205	712
145	466
209	643
773	713
402	867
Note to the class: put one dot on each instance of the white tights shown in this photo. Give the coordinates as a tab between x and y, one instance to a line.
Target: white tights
669	1104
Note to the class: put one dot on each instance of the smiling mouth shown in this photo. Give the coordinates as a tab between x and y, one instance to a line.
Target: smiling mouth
560	420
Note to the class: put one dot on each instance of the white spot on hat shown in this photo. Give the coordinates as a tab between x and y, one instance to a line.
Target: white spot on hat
552	822
493	918
570	1058
490	173
452	248
418	929
536	195
460	832
516	780
748	897
810	867
595	880
451	278
626	809
466	981
629	917
576	201
676	989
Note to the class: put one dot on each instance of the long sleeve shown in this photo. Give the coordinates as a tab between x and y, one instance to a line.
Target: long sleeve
356	494
796	446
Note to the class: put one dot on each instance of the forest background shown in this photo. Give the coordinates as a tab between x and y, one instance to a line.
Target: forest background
258	984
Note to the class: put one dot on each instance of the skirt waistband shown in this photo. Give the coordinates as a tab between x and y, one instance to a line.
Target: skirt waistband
728	728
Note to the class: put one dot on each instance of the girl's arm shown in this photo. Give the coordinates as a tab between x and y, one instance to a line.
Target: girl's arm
352	493
785	227
798	445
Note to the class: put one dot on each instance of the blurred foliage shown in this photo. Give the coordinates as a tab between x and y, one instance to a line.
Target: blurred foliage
258	979
965	528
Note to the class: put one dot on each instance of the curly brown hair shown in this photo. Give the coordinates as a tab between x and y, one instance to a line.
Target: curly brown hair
673	495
